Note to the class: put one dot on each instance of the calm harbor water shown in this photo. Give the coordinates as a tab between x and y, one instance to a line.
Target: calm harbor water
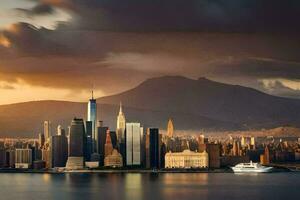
131	186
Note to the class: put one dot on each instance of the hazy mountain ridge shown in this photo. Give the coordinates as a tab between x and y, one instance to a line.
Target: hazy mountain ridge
193	104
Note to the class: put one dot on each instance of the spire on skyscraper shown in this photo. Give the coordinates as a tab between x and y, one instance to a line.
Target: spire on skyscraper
120	111
170	130
121	123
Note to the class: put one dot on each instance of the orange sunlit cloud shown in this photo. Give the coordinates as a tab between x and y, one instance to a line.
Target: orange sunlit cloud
21	92
4	41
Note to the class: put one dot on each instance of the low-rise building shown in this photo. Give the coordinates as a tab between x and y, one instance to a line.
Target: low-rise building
114	159
23	158
187	159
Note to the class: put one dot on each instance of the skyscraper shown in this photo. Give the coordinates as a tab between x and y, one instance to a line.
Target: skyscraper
133	144
76	144
101	139
47	130
170	131
121	125
92	117
108	147
267	155
60	130
201	143
154	148
58	150
41	140
89	140
213	151
114	139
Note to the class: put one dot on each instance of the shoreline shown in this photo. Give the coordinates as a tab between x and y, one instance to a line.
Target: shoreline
128	171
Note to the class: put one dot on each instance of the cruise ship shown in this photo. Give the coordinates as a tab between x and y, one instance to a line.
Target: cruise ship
250	168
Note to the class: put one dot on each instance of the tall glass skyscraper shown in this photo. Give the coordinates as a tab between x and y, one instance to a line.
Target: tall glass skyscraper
89	141
76	138
58	150
92	117
76	144
154	147
133	144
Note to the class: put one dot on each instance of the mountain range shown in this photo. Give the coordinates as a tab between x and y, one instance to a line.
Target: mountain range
192	104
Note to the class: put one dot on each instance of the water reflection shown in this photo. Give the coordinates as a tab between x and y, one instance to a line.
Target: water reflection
178	186
151	186
133	186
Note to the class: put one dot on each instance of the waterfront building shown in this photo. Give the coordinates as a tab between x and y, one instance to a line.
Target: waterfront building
95	157
76	145
114	159
2	157
89	140
163	151
39	164
233	160
47	130
92	117
147	149
59	150
23	158
121	125
108	147
92	164
170	129
213	151
265	158
12	158
101	139
133	144
46	155
187	159
154	148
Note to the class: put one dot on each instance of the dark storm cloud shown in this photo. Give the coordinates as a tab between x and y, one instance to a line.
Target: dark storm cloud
29	40
37	10
259	68
179	15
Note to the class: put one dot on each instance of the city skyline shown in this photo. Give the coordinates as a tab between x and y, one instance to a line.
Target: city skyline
149	99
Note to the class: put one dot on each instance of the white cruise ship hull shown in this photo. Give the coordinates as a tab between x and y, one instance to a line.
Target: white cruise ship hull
253	170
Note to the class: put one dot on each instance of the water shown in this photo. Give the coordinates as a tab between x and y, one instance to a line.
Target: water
150	186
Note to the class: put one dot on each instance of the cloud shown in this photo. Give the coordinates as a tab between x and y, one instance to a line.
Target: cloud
37	10
6	86
118	43
178	15
282	87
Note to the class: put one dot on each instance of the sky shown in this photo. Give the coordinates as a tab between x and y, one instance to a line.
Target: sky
62	49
